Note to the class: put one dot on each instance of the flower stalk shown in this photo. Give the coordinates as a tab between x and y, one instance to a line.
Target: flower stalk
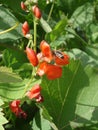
35	33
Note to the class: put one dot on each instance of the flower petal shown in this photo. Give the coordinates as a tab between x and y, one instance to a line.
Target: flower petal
46	51
53	72
62	61
25	28
34	92
42	68
32	56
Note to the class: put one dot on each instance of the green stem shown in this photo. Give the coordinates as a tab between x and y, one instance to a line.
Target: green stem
10	29
50	13
29	83
35	33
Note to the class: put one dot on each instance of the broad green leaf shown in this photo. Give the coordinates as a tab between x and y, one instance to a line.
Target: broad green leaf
73	96
12	86
83	15
58	30
93	53
84	57
11	91
39	123
3	120
7	21
7	76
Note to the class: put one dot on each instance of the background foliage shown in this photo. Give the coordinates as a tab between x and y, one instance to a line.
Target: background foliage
70	102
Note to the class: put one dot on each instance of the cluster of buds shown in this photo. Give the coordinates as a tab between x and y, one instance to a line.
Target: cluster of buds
16	109
48	62
37	14
34	9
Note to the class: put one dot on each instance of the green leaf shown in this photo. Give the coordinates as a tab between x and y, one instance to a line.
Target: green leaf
92	32
3	120
11	91
7	76
7	21
14	5
85	58
73	96
14	58
93	54
39	123
83	15
69	6
58	30
45	25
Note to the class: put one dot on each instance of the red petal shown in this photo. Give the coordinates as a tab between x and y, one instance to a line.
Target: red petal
36	12
25	28
32	56
62	61
53	72
23	6
46	51
34	92
42	68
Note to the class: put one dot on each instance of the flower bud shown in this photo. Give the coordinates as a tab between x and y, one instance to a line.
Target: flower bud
25	28
31	55
36	11
23	6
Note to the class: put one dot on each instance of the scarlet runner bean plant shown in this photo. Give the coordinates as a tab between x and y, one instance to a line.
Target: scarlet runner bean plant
48	65
47	62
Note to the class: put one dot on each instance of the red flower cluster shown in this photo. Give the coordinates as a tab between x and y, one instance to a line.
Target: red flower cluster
16	109
35	93
49	62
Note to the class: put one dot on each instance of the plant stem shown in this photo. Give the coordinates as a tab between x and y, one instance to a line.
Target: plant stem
10	29
35	33
52	6
29	82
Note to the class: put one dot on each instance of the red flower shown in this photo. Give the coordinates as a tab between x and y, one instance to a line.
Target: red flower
36	11
23	6
32	56
62	61
25	28
35	93
42	68
46	51
15	108
53	72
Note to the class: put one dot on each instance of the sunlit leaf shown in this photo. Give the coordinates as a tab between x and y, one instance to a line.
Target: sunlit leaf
7	76
83	15
71	97
7	21
3	120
